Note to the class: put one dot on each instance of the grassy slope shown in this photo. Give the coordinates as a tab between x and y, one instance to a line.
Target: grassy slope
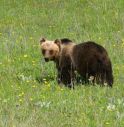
24	102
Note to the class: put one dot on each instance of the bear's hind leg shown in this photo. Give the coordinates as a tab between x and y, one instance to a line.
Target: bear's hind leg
109	78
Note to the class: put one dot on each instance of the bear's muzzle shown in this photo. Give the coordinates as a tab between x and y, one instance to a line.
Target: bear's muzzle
46	59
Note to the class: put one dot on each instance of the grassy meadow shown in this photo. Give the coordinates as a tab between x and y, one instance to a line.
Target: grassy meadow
29	93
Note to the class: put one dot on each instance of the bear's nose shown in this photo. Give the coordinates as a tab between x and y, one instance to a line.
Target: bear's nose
46	59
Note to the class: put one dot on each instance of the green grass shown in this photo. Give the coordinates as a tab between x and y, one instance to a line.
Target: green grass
24	102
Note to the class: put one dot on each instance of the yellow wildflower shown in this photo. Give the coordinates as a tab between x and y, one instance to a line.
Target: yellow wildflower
12	86
27	81
25	55
31	38
34	81
107	123
22	93
34	86
33	61
20	37
19	87
45	82
31	99
20	100
61	89
48	85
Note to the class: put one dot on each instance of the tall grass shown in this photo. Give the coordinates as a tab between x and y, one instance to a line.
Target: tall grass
29	93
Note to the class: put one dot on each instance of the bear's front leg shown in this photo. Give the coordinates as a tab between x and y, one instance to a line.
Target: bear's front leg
59	79
67	77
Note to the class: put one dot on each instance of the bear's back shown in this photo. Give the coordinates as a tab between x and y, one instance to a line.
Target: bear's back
88	50
88	53
90	45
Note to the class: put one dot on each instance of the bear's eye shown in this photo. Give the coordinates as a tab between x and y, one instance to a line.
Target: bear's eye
43	51
51	51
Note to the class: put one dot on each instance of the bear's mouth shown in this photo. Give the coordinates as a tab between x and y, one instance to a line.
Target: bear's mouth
46	59
49	59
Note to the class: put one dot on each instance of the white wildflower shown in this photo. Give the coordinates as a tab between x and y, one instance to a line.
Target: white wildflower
111	107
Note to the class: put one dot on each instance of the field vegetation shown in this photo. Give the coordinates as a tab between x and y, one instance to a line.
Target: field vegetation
29	93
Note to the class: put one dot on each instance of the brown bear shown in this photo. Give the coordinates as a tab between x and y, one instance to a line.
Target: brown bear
88	59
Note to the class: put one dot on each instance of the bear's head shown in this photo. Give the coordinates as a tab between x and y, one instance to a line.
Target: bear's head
50	49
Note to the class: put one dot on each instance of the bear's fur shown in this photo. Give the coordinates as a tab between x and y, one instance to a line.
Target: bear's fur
91	59
88	59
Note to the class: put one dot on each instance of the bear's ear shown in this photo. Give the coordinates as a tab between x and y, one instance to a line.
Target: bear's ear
58	42
42	40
